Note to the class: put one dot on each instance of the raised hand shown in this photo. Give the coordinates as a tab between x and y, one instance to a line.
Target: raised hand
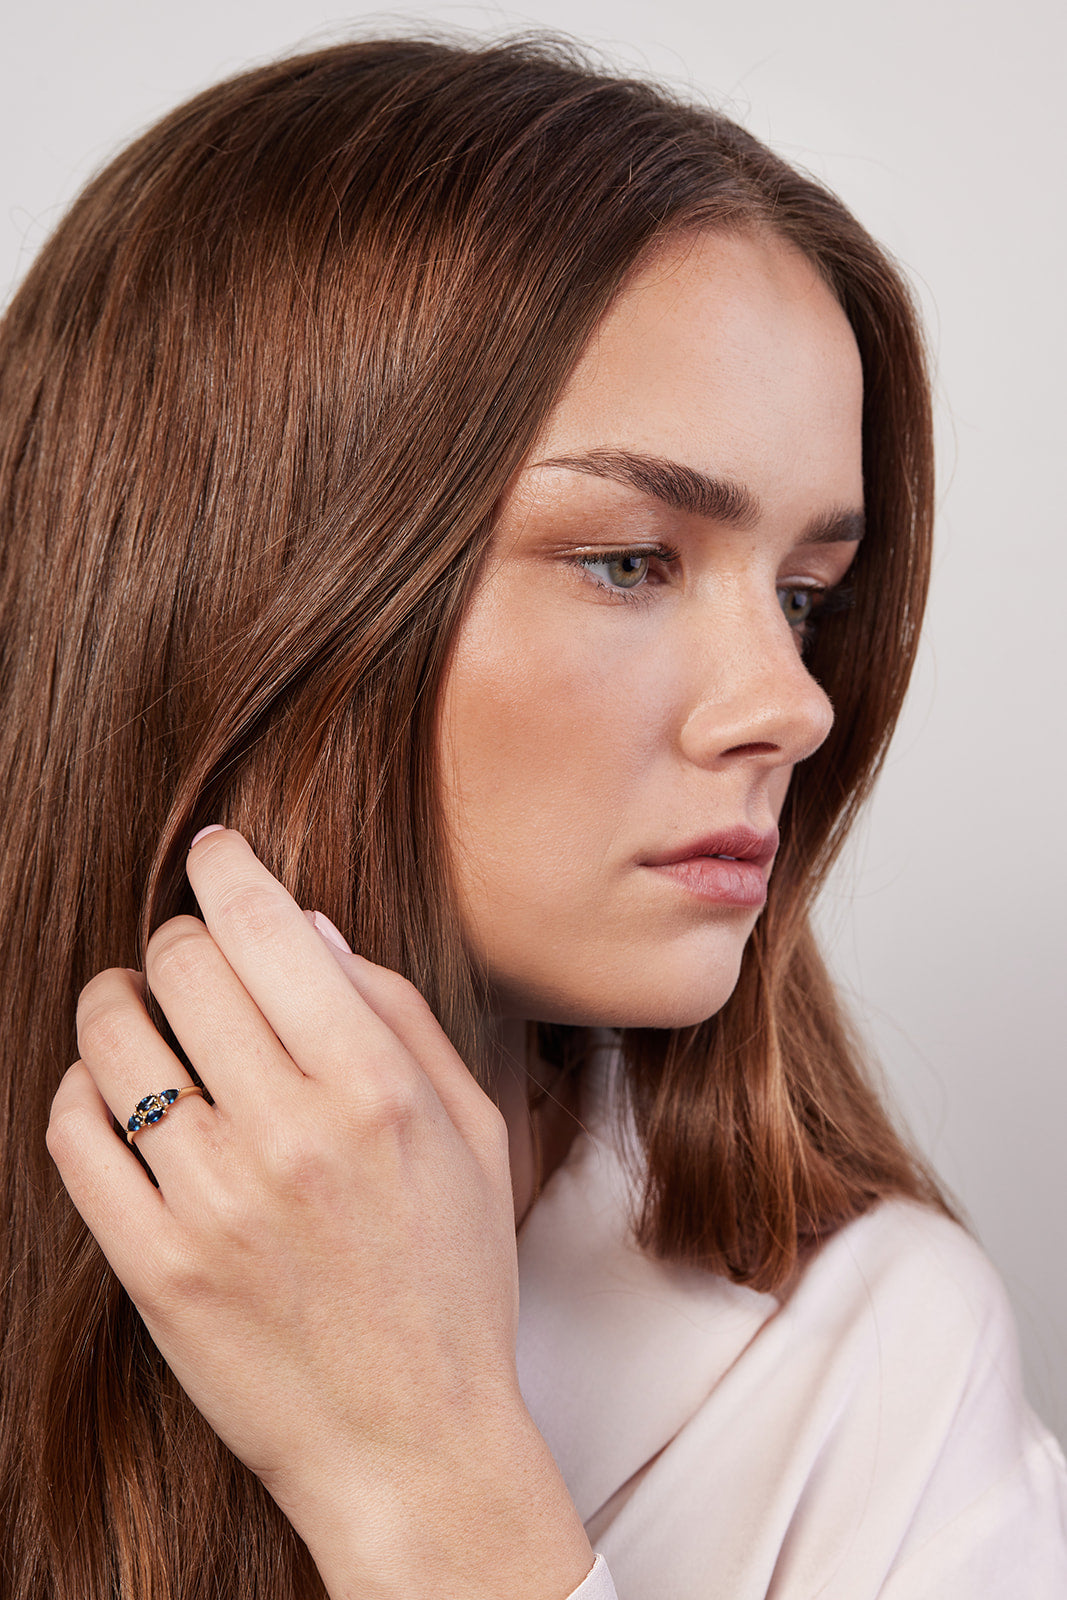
328	1264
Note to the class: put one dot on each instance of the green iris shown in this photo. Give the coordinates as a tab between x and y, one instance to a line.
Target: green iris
625	571
797	604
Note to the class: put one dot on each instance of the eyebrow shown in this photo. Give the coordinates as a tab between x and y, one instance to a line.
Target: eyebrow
700	495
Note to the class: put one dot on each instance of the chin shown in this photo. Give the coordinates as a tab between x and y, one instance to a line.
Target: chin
666	1004
685	1013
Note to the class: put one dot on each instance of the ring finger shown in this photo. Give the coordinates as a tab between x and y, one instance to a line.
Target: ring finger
129	1062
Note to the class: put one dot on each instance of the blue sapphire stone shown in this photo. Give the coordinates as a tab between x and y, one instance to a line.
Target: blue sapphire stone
134	1123
169	1096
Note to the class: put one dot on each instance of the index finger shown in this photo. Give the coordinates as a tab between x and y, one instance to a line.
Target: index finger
322	1021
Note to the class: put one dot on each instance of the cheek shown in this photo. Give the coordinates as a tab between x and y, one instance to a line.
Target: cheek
557	747
541	737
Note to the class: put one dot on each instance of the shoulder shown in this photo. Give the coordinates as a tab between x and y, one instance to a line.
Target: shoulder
926	1354
915	1310
914	1271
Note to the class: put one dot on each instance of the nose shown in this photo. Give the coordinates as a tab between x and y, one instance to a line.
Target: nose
751	695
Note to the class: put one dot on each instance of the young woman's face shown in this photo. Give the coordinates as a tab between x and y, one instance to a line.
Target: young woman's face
627	698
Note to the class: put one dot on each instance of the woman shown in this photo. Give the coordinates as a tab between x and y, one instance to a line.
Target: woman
433	489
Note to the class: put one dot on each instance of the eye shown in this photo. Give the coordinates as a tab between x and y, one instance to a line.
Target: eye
799	605
632	574
804	607
619	569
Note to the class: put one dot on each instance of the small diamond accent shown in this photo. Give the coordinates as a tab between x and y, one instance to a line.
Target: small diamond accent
153	1108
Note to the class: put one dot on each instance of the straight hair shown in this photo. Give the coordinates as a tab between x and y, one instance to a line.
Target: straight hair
261	395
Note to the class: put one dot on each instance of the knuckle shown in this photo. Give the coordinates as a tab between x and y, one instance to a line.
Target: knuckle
251	915
234	1213
298	1166
65	1135
106	1021
176	950
401	996
403	989
390	1105
383	1106
97	992
176	1273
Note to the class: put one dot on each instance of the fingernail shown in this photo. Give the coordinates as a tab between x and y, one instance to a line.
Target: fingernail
212	827
331	934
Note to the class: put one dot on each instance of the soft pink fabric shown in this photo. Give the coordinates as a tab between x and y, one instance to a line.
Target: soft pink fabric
864	1435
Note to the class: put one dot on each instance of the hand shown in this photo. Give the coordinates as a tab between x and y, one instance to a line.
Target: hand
328	1264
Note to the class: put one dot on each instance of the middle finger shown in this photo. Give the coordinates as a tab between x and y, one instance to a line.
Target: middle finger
224	1034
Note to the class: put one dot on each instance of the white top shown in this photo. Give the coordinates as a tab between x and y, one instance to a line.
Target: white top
864	1434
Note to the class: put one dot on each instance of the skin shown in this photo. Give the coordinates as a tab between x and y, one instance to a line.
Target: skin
344	1214
586	728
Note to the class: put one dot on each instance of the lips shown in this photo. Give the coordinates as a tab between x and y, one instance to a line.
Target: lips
729	868
740	843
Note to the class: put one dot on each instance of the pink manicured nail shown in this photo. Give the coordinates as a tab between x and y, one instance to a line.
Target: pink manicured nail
331	934
212	827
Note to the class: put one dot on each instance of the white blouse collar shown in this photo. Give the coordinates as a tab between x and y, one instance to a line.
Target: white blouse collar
615	1350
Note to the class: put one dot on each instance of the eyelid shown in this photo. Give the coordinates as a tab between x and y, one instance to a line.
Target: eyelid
822	564
639	547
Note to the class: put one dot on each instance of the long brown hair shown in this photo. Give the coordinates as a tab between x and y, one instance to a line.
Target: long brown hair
261	393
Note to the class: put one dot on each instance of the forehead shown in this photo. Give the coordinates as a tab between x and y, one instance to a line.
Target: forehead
730	353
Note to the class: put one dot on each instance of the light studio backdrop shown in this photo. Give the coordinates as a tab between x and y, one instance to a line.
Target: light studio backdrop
941	123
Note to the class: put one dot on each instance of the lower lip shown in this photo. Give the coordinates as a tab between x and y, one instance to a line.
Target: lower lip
730	883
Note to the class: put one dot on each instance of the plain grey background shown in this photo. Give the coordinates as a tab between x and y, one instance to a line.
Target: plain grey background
941	123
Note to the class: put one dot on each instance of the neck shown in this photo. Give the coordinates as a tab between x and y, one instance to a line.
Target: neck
538	1138
510	1088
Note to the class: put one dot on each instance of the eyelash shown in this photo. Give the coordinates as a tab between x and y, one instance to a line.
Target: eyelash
825	600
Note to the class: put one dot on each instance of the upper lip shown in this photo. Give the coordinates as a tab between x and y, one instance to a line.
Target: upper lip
740	841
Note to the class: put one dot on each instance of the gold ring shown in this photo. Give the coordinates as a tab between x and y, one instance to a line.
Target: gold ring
154	1107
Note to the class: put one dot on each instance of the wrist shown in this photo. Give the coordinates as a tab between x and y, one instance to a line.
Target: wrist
482	1514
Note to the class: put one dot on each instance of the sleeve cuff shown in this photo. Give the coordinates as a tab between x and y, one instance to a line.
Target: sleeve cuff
597	1586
